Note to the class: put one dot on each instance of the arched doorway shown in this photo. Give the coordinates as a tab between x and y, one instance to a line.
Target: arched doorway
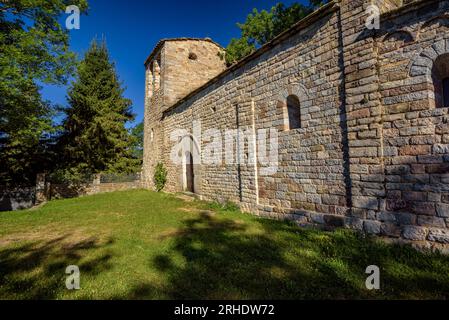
189	173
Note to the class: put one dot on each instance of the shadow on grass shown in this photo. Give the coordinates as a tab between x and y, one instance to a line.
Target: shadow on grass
224	259
36	270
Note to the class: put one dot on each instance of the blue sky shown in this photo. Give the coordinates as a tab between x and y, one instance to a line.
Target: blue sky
133	27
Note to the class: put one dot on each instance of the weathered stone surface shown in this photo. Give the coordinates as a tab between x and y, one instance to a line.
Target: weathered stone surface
371	227
423	208
365	202
318	218
414	150
406	219
443	210
354	223
414	233
334	221
441	236
373	149
431	222
390	230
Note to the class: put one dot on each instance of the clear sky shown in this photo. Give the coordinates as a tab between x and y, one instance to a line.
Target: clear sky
133	27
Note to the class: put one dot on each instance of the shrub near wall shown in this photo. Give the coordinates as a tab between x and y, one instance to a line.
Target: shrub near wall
160	177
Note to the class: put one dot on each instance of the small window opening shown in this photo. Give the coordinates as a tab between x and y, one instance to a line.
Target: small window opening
294	112
193	56
446	92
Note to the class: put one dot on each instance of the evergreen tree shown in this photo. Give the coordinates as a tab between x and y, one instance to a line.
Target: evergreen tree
95	138
138	134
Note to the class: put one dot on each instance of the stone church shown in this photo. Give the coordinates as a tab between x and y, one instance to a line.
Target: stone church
359	113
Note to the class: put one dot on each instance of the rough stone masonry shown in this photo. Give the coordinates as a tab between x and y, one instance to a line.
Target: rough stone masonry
369	145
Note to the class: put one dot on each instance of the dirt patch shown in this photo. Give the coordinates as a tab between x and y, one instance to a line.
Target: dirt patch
69	240
185	197
189	210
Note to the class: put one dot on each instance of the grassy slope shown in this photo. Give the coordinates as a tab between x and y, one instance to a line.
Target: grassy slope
145	245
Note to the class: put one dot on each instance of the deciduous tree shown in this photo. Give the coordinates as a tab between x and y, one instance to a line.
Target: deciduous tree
34	50
262	26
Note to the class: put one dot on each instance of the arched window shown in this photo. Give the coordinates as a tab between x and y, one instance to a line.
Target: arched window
294	112
152	135
440	75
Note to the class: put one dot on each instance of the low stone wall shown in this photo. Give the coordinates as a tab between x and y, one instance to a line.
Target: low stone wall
12	199
434	239
17	198
61	191
112	187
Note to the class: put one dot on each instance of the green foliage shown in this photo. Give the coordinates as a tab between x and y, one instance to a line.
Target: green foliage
95	139
34	49
224	206
263	26
160	177
237	49
70	177
137	133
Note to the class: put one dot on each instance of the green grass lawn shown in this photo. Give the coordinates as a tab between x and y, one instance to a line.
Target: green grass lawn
144	245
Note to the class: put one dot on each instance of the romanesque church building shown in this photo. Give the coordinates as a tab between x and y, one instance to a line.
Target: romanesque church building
358	114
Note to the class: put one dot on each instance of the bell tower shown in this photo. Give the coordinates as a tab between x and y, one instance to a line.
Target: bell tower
175	68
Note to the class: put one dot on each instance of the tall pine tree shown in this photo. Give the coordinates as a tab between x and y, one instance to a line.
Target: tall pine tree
95	138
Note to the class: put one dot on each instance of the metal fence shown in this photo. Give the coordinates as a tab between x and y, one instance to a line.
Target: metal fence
119	178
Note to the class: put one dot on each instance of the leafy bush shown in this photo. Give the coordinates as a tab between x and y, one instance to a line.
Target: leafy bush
224	205
71	176
263	26
160	177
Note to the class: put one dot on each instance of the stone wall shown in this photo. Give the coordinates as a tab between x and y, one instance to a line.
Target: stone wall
311	158
372	152
18	198
188	65
64	191
415	129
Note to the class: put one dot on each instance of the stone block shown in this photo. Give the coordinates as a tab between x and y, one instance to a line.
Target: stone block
372	227
423	208
390	230
317	218
334	221
427	221
437	235
386	217
414	233
396	204
414	150
365	202
354	223
443	210
405	218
